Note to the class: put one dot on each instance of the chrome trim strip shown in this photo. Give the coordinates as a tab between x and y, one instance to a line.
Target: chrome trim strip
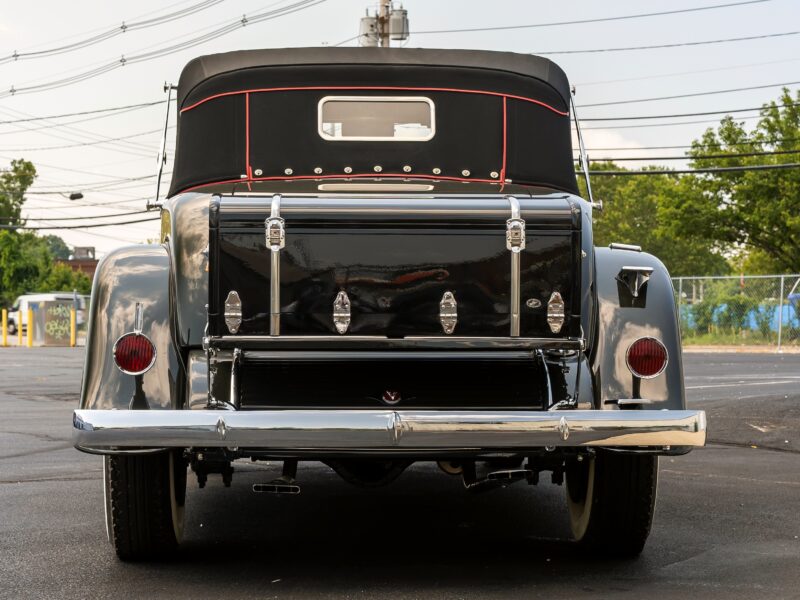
326	430
366	342
275	242
515	242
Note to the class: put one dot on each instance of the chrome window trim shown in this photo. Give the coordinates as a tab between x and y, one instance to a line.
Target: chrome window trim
370	138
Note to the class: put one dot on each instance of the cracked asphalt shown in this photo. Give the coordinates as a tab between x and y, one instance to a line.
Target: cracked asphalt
727	521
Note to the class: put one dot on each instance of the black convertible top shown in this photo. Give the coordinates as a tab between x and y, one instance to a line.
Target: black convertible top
527	65
255	115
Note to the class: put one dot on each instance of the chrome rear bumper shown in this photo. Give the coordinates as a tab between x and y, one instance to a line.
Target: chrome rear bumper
383	430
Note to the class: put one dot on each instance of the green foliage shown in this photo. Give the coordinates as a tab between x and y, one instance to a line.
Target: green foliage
636	210
58	247
27	265
757	210
14	182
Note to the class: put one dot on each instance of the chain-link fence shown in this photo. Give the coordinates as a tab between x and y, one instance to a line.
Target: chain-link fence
753	309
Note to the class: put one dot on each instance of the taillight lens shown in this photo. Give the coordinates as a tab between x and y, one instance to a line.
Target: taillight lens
134	353
646	358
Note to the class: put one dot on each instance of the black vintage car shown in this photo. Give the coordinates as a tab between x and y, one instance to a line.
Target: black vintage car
372	257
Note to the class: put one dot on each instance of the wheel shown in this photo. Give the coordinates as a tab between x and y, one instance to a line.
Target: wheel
145	496
12	328
611	500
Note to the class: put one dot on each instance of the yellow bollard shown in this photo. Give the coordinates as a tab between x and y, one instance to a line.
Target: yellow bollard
30	328
19	328
73	330
5	328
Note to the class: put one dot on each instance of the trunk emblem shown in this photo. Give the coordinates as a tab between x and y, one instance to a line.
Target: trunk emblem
341	312
233	311
391	397
448	312
555	312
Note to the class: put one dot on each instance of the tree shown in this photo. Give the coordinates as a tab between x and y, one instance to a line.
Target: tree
14	182
758	211
636	210
58	247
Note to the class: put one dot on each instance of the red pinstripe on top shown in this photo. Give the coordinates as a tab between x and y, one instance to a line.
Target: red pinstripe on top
378	88
505	137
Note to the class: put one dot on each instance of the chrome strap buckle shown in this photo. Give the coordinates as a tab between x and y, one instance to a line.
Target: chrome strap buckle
341	312
448	312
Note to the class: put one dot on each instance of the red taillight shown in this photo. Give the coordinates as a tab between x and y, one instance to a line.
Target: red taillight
646	357
134	353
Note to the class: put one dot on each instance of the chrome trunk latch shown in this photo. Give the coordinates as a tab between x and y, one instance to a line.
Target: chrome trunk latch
341	312
233	311
448	312
555	312
276	233
515	234
635	278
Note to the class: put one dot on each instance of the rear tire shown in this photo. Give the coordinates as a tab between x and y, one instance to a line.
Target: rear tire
611	500
145	497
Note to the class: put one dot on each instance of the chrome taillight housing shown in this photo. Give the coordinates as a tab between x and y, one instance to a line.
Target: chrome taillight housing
646	357
134	353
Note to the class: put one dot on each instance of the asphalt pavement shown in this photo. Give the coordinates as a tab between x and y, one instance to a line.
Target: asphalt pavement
727	523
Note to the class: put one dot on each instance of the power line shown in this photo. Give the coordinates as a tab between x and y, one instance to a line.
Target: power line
91	225
679	115
147	56
710	145
85	112
690	95
584	21
110	33
93	143
87	218
667	124
675	45
794	165
696	157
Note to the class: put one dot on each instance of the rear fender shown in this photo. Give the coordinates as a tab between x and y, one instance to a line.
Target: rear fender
622	319
123	278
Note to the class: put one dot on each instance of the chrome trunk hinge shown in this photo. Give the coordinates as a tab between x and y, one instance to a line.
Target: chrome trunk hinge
448	312
276	240
515	242
233	311
341	312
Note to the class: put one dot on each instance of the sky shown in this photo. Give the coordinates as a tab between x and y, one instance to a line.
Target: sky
115	177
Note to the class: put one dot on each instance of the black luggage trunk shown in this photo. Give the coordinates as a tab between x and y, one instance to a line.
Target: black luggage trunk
395	258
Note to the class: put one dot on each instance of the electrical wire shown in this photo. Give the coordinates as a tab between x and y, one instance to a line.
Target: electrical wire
680	115
86	112
675	45
781	166
110	33
165	51
91	225
585	21
695	157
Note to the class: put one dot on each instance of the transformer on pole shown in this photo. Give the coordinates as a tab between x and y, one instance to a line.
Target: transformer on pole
385	24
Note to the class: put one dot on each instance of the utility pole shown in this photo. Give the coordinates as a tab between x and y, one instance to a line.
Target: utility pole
385	24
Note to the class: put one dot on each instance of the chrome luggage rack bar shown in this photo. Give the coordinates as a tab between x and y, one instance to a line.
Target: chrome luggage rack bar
367	342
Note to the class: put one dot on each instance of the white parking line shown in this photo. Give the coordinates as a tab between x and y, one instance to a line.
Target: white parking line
736	384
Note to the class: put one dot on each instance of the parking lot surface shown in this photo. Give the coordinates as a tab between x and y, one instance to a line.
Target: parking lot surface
727	522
